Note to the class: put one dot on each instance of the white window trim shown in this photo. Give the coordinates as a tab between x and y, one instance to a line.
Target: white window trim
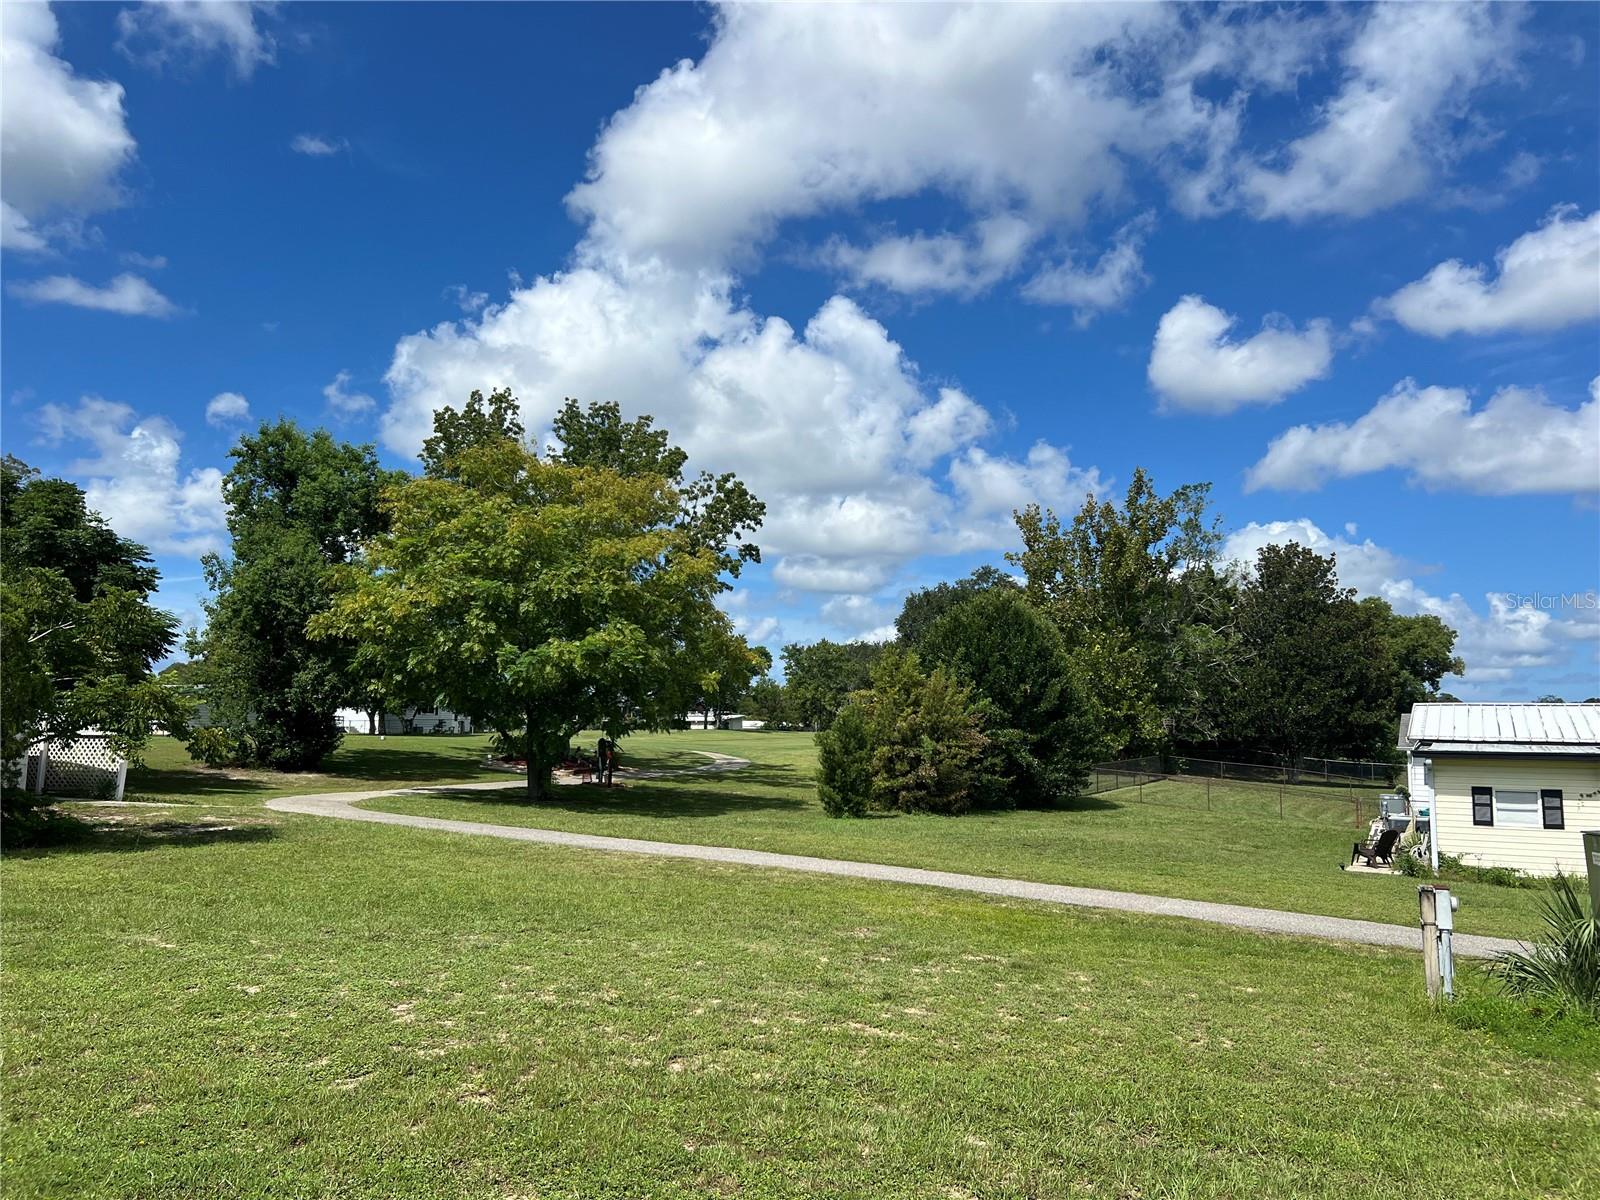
1531	817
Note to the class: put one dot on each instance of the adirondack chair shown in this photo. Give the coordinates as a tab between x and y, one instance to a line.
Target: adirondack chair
1380	851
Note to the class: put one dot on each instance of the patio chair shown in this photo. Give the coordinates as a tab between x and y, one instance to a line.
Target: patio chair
1380	851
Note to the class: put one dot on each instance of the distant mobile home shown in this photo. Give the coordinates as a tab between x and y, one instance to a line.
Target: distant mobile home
410	720
1509	785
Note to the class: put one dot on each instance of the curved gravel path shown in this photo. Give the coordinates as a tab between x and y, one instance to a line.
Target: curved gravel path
342	805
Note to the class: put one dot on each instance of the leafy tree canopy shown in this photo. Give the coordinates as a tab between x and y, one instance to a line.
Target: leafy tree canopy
78	637
820	678
928	744
298	504
479	422
543	594
1125	585
1317	680
922	608
1041	727
48	523
716	512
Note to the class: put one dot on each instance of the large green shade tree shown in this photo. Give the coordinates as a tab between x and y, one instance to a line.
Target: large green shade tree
78	635
546	593
299	505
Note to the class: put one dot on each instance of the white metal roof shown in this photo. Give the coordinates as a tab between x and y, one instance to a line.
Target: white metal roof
1506	728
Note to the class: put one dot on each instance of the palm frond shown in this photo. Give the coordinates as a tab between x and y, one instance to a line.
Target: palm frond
1563	968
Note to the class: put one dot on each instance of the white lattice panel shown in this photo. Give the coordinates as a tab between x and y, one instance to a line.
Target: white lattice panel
82	766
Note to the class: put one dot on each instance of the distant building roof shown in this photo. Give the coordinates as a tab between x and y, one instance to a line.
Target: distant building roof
1502	728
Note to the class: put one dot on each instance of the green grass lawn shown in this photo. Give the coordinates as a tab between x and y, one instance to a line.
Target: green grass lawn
1162	839
302	1007
168	773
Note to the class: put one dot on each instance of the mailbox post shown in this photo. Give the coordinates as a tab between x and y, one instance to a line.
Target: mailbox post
1438	908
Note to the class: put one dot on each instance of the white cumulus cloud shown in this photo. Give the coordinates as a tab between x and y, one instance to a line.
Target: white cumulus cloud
1546	279
343	401
135	479
1393	127
127	295
1519	442
923	264
1194	365
1109	283
66	137
227	408
162	33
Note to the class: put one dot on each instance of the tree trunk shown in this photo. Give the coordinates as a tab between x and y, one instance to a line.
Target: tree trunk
539	765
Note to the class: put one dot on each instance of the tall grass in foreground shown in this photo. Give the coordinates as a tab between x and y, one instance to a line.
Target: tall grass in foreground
1563	969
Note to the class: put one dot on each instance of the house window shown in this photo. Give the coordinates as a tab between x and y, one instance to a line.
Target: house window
1482	806
1518	809
1551	809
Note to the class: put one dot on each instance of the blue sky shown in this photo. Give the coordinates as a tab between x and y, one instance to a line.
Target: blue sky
901	268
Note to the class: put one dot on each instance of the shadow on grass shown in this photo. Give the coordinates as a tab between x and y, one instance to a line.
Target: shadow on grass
379	764
175	785
73	835
639	799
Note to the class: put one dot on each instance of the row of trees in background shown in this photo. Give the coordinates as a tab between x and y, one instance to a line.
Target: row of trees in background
538	592
545	592
1129	632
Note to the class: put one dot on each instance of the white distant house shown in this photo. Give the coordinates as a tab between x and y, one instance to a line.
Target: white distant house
715	720
409	720
1508	785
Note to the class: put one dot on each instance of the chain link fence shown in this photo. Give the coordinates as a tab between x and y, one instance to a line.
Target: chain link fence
1305	787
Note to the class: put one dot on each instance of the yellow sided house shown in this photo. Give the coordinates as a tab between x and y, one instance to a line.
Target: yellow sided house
1506	785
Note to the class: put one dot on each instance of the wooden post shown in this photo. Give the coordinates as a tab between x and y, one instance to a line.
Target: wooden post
1428	902
1280	802
1208	795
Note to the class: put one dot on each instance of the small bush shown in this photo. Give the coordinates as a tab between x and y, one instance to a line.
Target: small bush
927	738
1411	858
1562	969
218	747
844	765
1411	855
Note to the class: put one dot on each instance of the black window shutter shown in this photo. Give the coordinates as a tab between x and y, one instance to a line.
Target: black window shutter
1550	805
1482	806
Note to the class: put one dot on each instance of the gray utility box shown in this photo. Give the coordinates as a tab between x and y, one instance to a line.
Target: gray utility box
1591	859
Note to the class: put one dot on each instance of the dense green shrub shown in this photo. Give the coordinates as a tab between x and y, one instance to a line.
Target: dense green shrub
1042	729
219	747
1562	969
927	739
844	764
